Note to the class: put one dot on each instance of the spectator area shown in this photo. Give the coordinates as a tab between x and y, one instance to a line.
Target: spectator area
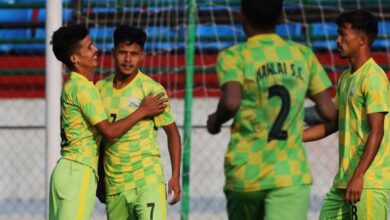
22	72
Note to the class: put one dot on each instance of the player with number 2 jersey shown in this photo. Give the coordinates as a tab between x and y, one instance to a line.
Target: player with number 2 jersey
264	84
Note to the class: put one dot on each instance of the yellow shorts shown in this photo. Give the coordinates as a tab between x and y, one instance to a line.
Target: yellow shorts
143	203
72	191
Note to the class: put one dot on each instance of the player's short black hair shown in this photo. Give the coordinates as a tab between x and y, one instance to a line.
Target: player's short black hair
126	33
361	20
262	14
65	41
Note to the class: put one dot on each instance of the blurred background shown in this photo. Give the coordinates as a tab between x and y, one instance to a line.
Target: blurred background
184	38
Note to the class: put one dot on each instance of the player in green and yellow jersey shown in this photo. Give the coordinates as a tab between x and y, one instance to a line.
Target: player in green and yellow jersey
264	83
134	181
361	187
73	181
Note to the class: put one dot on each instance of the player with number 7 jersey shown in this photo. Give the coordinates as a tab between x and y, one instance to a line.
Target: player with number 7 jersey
134	181
264	84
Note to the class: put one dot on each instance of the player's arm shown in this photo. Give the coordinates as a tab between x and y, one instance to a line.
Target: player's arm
319	131
355	185
327	110
227	106
324	105
174	147
150	106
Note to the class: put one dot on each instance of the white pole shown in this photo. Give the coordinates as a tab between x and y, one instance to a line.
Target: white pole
53	93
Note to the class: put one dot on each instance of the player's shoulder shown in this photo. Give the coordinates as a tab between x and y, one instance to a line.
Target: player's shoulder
233	50
148	84
77	84
105	81
375	68
305	50
145	79
371	72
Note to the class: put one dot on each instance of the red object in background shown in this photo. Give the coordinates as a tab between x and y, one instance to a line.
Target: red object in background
26	85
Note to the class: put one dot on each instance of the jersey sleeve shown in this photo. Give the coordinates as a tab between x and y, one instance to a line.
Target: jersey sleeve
166	117
91	104
319	80
229	67
375	90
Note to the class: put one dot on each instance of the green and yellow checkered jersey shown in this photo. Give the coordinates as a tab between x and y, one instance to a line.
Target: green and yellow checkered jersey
359	94
81	109
266	149
133	160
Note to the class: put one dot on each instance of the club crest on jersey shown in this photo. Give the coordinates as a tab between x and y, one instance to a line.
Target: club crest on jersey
134	102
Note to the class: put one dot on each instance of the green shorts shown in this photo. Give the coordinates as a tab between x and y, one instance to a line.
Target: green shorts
373	204
144	203
275	204
72	191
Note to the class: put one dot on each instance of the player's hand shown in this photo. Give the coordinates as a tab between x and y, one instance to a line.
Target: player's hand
354	190
153	105
212	126
174	189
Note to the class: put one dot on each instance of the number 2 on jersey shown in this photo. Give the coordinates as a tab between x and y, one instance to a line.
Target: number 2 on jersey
276	132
